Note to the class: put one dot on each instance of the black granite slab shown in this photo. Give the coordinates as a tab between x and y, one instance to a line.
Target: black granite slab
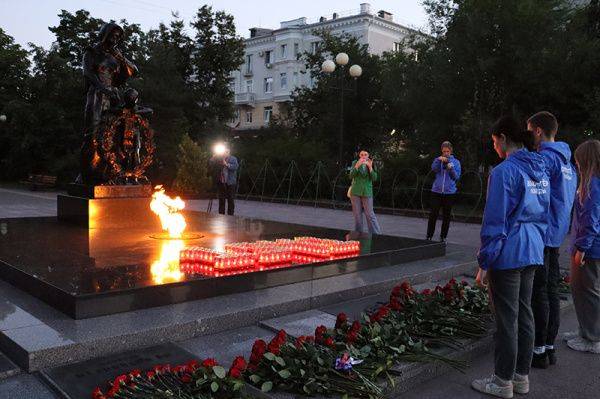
77	381
91	272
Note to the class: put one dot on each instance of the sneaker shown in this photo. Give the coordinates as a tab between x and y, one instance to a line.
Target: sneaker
570	335
494	386
442	239
551	356
539	361
521	384
429	238
583	345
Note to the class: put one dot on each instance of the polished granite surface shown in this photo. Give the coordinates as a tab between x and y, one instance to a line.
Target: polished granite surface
70	261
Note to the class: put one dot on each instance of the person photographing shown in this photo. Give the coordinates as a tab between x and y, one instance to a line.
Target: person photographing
447	172
225	166
363	174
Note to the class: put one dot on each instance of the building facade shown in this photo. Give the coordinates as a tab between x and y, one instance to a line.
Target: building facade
272	70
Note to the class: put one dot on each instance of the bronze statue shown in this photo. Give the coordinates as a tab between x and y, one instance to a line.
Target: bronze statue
118	142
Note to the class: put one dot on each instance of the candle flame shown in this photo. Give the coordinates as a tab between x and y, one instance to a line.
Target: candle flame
167	209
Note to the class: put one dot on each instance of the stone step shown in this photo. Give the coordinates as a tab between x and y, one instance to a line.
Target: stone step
7	367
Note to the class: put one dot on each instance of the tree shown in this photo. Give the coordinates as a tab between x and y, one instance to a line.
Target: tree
315	111
216	52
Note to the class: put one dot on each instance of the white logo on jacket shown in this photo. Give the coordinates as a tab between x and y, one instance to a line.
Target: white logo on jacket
539	187
567	172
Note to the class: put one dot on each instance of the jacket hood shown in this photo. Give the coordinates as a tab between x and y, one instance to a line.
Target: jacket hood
531	163
107	29
558	147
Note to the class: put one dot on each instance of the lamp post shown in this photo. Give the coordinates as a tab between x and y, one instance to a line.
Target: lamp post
2	118
355	71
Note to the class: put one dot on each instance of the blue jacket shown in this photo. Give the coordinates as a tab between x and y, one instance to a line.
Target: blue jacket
563	185
515	218
445	178
585	231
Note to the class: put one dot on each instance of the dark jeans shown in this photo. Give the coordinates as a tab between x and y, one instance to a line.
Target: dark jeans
444	201
545	300
226	192
511	295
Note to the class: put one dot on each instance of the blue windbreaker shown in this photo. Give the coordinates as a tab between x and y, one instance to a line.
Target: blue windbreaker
445	178
563	185
515	219
585	232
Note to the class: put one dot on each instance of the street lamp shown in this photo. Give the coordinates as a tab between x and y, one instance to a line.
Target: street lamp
355	71
2	118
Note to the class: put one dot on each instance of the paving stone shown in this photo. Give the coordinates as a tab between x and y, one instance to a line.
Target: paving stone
227	345
7	367
25	386
303	323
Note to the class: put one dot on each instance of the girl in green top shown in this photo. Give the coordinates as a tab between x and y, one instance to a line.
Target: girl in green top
363	175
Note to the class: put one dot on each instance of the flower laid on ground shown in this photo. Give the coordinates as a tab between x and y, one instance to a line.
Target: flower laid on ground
348	359
191	380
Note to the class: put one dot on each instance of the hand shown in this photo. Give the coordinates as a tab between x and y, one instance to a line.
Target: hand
450	166
370	164
482	278
359	163
577	259
443	159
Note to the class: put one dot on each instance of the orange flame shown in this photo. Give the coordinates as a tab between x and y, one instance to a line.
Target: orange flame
166	268
167	209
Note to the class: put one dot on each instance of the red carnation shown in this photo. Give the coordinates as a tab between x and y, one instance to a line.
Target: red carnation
209	363
274	347
97	394
135	373
122	379
281	336
192	365
452	281
239	363
356	326
567	279
464	283
341	320
319	333
426	291
329	342
406	286
258	350
179	369
351	337
396	305
235	373
150	374
300	341
186	378
397	291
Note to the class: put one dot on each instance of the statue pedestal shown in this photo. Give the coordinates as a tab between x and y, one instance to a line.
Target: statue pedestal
97	192
108	207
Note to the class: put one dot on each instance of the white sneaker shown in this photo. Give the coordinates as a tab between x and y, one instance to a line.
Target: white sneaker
494	386
521	384
583	345
570	335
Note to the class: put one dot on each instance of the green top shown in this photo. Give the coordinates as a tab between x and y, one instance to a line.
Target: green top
362	180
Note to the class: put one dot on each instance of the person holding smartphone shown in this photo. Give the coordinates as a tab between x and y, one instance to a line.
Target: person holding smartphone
585	258
447	172
363	174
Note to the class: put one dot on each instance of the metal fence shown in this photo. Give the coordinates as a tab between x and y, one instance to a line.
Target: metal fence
402	192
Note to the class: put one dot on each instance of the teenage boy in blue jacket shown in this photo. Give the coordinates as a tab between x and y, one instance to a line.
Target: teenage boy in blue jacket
545	300
512	247
447	172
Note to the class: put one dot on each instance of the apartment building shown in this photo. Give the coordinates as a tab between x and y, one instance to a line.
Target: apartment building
271	69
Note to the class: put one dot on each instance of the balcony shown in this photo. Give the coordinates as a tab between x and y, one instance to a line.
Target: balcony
245	99
248	72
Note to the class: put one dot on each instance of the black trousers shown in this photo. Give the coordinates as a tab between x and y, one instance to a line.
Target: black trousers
511	296
444	201
545	300
226	193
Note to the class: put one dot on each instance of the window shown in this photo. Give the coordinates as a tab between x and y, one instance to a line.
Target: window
248	116
249	86
397	46
314	47
267	57
267	114
235	117
249	63
295	79
283	77
268	85
296	49
232	85
283	51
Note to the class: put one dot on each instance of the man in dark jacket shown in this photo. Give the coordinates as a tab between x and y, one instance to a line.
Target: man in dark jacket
563	185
